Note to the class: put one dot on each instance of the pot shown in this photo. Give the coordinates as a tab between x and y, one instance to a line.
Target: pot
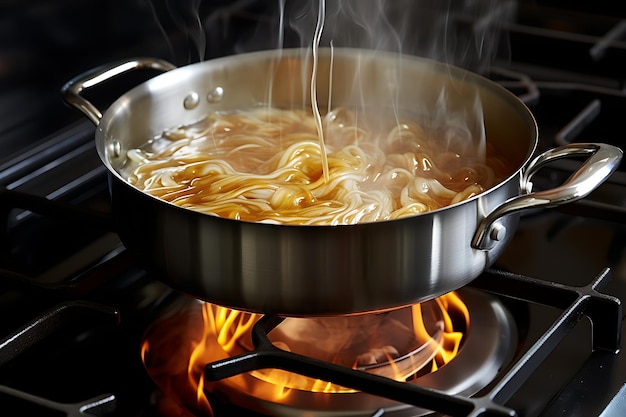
322	270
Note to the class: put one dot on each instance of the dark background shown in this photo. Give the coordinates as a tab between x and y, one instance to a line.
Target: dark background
43	44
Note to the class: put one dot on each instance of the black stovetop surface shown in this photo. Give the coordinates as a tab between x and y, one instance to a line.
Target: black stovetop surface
93	301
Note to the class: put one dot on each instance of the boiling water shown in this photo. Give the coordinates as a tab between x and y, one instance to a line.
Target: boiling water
265	165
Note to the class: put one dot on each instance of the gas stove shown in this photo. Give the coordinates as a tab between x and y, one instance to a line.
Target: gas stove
77	307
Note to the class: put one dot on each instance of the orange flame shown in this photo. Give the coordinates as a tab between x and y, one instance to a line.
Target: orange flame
218	333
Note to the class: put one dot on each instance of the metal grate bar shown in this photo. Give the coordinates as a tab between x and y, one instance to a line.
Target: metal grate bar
577	302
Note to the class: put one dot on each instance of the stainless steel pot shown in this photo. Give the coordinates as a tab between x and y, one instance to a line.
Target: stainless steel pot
322	270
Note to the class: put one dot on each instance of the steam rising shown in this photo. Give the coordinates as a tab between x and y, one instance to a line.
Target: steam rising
181	18
464	33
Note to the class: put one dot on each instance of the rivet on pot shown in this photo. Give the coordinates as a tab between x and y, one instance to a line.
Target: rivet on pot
215	95
498	232
191	101
116	148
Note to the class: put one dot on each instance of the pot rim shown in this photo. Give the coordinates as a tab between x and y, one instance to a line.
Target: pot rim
164	80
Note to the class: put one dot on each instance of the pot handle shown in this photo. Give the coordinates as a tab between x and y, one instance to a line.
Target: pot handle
602	162
72	89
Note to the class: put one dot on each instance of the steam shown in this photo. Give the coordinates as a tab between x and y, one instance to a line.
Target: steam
464	33
319	27
181	19
461	33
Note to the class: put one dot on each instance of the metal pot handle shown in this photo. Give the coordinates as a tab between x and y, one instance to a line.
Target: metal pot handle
72	89
602	162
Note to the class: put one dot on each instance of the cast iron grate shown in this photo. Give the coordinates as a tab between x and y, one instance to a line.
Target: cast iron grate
605	312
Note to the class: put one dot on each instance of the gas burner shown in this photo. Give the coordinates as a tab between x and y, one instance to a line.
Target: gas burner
489	367
309	355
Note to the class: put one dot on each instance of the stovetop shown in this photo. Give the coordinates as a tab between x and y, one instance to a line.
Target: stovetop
75	304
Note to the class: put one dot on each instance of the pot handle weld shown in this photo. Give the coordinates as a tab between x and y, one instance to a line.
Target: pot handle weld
71	91
602	162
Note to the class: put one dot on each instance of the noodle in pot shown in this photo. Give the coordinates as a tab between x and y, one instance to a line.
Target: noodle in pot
265	165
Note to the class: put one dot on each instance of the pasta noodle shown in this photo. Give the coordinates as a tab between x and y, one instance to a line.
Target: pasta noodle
264	165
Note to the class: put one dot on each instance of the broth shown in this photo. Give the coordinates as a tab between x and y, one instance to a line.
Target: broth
265	165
